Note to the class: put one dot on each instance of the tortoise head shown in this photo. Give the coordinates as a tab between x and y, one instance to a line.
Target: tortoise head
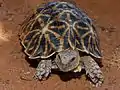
67	60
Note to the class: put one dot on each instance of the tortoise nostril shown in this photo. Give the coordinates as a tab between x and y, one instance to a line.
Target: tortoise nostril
59	56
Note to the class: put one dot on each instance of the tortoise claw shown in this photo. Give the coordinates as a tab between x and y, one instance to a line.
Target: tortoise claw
93	70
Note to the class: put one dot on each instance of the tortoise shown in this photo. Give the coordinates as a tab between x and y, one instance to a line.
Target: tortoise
61	36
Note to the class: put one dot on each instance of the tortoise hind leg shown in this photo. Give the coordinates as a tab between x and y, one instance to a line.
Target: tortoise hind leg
43	69
92	70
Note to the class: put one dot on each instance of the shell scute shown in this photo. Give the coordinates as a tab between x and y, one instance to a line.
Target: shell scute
57	26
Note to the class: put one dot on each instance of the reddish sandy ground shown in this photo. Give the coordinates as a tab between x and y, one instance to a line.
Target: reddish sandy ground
13	65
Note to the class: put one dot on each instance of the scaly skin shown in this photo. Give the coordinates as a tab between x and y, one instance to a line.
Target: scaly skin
92	70
43	69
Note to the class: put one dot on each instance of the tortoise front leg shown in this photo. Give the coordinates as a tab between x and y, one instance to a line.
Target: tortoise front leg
93	71
43	69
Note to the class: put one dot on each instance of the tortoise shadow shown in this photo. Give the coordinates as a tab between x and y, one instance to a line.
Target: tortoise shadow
67	76
64	76
32	63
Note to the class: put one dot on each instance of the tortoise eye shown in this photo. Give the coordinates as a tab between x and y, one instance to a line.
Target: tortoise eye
72	59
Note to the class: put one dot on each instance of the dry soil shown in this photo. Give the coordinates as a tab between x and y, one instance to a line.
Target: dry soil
16	73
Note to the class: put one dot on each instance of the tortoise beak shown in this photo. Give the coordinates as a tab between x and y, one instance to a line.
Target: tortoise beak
77	69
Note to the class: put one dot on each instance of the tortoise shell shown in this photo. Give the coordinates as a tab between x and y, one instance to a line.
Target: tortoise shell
57	26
